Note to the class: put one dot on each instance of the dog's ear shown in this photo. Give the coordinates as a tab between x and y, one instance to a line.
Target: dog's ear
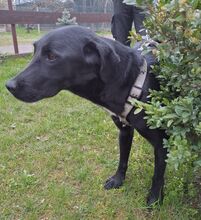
104	55
91	54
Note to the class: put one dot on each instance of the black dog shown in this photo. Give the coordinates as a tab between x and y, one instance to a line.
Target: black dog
102	71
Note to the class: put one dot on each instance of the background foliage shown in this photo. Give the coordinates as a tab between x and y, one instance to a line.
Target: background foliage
177	106
66	18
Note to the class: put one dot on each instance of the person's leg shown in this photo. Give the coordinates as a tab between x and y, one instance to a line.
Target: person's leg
138	17
122	21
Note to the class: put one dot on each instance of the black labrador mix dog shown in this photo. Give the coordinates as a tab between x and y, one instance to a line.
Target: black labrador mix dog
102	71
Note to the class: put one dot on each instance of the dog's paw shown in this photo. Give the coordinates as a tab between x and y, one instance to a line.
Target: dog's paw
114	182
154	199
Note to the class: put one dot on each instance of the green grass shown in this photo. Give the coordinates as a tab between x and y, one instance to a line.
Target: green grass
56	154
22	36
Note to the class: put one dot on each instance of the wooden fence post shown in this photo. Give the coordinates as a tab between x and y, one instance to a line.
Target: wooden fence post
13	29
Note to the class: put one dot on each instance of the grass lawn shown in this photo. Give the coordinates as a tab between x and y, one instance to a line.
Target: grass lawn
56	154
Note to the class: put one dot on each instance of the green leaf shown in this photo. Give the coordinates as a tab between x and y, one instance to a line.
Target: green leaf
169	123
137	110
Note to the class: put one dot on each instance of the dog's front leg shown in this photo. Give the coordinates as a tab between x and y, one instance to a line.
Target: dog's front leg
125	142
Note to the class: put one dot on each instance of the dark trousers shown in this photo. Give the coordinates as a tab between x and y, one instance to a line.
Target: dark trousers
122	21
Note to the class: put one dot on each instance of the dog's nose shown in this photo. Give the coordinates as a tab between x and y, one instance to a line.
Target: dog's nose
11	85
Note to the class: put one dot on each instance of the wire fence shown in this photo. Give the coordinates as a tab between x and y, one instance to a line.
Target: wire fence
100	8
76	6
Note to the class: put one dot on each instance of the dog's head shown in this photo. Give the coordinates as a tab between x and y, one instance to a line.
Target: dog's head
65	57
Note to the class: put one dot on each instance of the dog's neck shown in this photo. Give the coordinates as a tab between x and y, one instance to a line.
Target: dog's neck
116	93
113	95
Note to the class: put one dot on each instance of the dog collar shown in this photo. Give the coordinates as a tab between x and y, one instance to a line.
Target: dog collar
135	93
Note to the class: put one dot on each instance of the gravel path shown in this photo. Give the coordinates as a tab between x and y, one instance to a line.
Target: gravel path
24	48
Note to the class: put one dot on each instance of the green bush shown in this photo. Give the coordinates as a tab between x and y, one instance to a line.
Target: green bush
177	106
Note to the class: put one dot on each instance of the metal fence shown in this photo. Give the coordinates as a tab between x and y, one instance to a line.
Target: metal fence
84	6
76	6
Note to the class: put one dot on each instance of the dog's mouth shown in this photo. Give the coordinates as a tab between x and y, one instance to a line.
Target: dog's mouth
28	94
26	97
29	98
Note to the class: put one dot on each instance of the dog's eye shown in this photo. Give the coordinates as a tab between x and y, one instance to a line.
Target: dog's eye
51	56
